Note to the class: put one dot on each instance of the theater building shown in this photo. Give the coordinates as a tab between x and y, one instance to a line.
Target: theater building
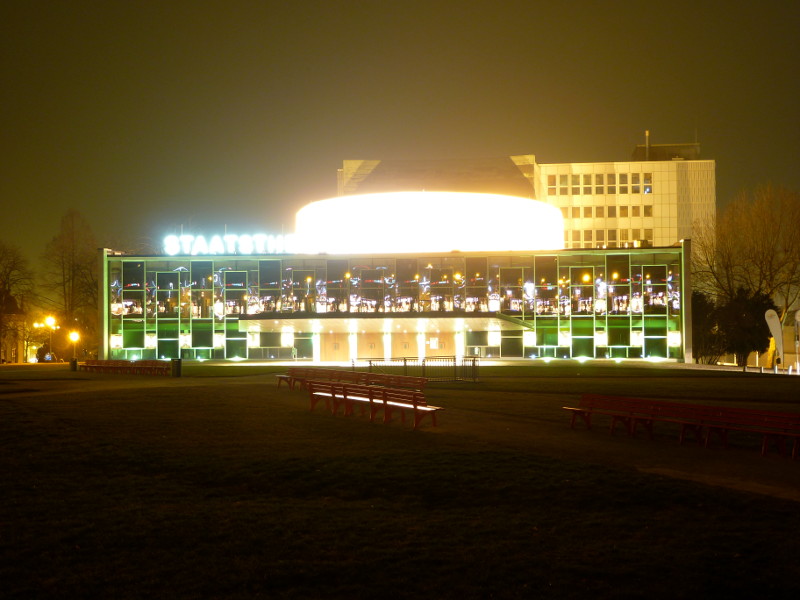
476	283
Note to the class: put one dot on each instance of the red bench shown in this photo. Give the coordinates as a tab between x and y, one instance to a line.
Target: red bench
701	420
371	400
300	375
127	367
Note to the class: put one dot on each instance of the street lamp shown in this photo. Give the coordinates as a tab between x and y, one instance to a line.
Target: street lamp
74	336
50	323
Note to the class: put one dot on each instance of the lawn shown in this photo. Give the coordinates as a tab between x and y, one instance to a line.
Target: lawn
222	486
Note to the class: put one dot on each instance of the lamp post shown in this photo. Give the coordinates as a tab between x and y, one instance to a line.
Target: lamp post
50	321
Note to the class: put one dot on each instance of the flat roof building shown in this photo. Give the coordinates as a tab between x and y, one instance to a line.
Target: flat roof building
607	303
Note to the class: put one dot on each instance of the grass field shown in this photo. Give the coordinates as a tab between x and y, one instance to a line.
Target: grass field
219	485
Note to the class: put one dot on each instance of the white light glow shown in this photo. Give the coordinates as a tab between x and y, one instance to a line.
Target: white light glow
352	344
387	346
460	344
528	338
637	339
674	339
399	222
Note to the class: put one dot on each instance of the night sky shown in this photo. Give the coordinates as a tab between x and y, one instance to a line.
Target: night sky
147	115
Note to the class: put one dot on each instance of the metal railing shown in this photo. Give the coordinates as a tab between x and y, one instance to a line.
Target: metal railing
434	368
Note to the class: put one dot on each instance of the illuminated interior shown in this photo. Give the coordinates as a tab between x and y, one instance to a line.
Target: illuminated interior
568	303
406	222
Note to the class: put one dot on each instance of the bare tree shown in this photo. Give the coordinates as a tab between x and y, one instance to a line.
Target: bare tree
71	275
16	284
753	244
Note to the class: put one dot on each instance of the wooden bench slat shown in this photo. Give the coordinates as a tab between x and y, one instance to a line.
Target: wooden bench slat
370	398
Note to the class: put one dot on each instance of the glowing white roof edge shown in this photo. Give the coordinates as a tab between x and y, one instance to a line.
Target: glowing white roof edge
443	222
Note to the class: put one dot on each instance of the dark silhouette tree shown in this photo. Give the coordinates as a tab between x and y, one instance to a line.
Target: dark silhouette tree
16	284
742	322
708	342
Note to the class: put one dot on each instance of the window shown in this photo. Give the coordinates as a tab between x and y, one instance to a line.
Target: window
576	185
587	235
648	183
648	210
587	212
623	235
623	211
612	212
565	212
648	235
623	183
587	184
576	235
635	187
635	234
612	235
551	181
635	210
576	212
600	235
599	212
598	182
566	236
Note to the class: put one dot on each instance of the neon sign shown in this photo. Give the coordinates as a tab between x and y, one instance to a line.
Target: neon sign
259	243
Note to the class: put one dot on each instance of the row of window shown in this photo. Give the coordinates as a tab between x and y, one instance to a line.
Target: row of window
599	183
602	212
610	235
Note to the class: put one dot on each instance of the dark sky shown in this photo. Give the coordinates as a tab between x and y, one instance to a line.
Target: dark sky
147	115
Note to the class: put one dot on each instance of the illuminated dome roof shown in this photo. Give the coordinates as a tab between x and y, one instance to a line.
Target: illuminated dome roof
399	222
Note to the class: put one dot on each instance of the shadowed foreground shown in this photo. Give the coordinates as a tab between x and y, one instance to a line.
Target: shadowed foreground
226	487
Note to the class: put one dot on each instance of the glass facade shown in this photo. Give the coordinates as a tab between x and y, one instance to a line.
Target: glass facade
571	303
